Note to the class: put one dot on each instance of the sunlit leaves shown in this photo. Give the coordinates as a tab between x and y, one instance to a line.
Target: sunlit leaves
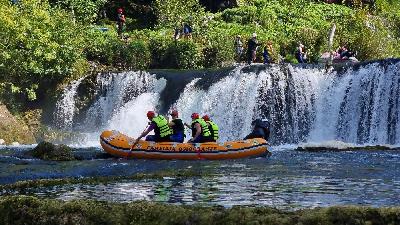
39	44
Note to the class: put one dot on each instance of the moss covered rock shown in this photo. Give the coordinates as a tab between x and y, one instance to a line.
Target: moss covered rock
31	210
49	151
14	130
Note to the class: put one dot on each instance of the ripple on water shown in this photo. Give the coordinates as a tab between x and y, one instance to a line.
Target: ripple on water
287	180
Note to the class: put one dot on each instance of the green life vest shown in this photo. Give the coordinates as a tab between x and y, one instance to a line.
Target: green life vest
214	130
205	132
162	128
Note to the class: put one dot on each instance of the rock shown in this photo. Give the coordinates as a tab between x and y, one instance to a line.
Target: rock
15	143
2	142
349	148
49	151
14	130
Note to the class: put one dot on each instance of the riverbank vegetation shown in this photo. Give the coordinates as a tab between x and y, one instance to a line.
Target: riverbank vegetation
31	210
49	43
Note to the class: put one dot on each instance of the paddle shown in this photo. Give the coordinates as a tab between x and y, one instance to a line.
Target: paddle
137	140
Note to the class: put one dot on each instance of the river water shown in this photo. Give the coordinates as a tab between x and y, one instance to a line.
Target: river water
288	179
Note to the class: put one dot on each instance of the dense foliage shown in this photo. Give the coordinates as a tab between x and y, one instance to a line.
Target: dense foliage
40	46
47	43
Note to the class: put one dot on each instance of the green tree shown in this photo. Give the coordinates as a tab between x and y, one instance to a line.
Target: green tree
40	46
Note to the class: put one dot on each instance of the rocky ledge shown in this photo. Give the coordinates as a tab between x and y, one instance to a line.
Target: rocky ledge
13	130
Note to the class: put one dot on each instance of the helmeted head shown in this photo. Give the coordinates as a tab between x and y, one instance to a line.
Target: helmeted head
263	123
174	113
195	116
256	121
206	118
119	10
151	115
254	35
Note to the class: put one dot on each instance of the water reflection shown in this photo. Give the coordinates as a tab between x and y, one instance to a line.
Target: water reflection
291	192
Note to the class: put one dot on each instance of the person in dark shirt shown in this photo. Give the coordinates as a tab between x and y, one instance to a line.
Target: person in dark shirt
120	21
301	56
177	127
267	52
345	53
187	31
252	45
261	129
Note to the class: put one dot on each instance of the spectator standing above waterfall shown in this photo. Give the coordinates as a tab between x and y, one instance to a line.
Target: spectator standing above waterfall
177	32
238	48
345	53
252	45
177	127
301	56
187	31
267	52
159	124
213	127
120	21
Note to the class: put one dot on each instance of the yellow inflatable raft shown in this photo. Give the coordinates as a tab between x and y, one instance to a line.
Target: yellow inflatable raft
118	144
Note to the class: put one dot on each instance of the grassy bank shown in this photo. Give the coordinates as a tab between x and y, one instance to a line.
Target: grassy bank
30	210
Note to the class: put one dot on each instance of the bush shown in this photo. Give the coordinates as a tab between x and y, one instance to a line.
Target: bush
37	47
219	48
85	11
171	13
158	46
137	55
242	15
102	46
184	54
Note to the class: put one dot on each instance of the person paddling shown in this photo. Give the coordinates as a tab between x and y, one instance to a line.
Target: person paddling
213	127
177	127
159	124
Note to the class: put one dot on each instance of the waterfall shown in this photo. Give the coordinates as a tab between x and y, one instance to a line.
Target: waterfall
236	100
124	100
358	104
361	106
65	108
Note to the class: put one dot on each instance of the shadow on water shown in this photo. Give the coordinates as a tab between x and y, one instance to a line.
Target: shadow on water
288	179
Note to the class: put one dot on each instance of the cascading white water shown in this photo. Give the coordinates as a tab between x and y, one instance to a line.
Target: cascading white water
125	99
229	103
65	108
234	102
360	105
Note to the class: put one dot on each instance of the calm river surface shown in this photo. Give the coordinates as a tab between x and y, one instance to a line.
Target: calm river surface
288	179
